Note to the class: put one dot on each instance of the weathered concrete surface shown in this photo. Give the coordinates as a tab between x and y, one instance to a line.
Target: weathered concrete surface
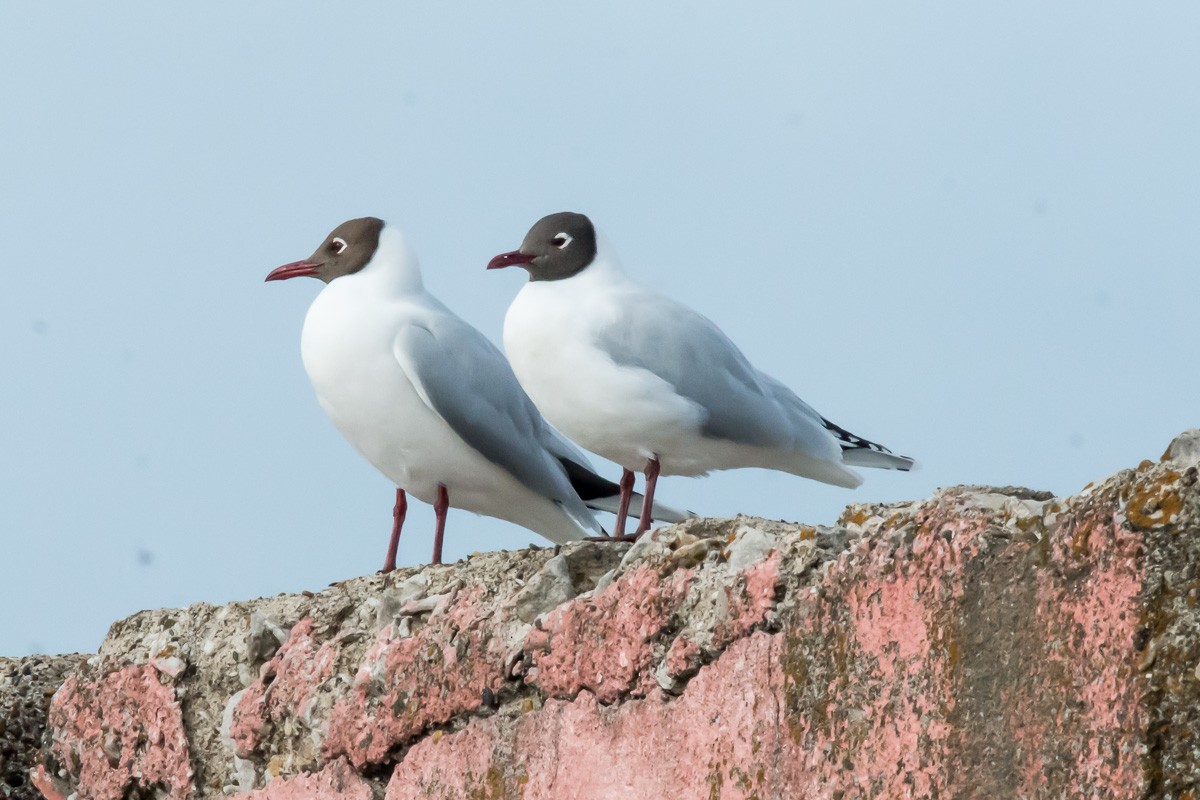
982	643
26	685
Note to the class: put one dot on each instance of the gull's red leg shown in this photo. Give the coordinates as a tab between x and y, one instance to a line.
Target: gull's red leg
398	513
623	505
648	502
440	506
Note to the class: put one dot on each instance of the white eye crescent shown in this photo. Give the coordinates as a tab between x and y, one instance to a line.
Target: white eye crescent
339	245
561	240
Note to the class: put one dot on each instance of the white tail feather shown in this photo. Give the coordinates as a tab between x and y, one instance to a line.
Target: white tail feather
662	513
865	457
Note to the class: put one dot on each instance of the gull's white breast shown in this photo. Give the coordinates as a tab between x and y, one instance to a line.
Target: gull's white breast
347	348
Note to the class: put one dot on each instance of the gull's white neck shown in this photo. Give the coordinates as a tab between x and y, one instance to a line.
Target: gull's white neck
605	269
393	269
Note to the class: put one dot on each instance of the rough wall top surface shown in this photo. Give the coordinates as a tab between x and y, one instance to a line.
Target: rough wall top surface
983	643
26	685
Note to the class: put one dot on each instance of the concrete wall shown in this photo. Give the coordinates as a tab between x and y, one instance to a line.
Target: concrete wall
983	643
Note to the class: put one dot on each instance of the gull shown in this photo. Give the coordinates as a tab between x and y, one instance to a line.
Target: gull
647	382
429	401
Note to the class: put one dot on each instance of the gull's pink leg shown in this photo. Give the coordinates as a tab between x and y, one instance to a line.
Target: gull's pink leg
623	505
648	502
440	506
398	513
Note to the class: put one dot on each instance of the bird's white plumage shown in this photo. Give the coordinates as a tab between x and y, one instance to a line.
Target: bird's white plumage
380	352
576	347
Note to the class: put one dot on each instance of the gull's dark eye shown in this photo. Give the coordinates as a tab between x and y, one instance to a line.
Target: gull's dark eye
338	244
561	240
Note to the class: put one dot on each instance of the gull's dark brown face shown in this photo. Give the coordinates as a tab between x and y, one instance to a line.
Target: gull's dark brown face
346	250
556	247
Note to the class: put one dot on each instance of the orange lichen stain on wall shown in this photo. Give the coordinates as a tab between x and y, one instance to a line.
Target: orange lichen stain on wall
1155	504
855	515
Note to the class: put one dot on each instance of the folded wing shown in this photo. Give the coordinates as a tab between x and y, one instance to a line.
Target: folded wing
467	382
688	351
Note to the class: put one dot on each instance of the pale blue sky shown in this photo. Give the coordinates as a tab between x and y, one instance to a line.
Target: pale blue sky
968	232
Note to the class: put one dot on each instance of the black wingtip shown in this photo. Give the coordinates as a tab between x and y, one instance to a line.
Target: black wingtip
850	441
587	484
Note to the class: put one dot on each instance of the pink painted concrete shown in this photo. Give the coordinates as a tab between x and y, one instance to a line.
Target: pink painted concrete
45	784
977	644
603	643
337	781
1094	619
874	647
878	685
683	656
711	742
749	600
406	685
285	687
121	730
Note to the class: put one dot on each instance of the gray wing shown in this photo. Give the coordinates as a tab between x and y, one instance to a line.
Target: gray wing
562	447
467	381
811	431
855	450
688	351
